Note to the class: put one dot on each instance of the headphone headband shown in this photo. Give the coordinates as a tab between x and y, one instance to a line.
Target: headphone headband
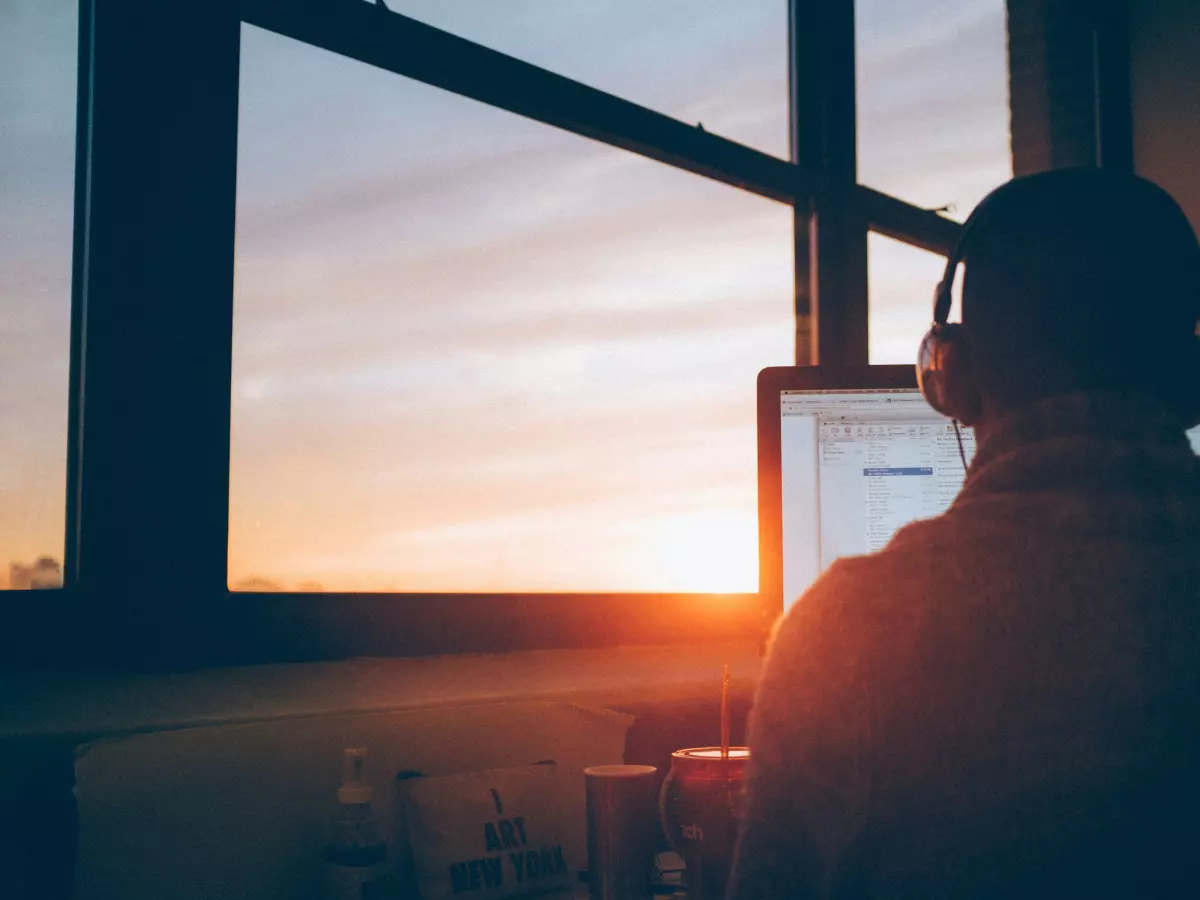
943	294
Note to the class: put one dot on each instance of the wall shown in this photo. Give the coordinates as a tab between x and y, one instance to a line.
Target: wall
1165	63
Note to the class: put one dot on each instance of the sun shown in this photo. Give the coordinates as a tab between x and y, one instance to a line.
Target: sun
705	553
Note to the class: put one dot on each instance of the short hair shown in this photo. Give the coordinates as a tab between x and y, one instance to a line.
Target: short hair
1082	279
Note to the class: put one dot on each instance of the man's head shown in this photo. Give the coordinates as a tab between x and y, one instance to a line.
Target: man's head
1075	280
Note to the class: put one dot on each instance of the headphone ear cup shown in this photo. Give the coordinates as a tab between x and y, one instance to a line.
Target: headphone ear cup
929	369
933	362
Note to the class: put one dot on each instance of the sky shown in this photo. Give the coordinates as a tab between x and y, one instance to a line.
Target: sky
37	152
475	353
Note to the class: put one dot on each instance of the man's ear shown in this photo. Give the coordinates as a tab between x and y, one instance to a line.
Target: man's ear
960	384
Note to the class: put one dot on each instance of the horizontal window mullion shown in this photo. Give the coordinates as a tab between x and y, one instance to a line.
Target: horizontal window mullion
905	222
292	627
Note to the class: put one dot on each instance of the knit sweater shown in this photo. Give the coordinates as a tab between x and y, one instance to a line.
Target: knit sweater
1004	701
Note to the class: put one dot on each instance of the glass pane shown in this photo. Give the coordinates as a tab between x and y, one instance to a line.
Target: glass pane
37	175
900	283
475	353
933	100
720	62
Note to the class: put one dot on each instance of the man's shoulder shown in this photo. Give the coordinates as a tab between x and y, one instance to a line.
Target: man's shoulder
862	598
905	563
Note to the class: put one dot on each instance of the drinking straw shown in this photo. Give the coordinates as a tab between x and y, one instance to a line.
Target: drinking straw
725	712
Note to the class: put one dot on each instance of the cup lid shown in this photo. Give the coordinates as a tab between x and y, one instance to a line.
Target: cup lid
712	753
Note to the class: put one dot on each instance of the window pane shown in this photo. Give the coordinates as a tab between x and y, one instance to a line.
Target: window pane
933	100
475	353
720	62
37	173
900	283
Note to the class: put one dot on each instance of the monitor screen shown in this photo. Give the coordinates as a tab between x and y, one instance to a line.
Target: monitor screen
855	467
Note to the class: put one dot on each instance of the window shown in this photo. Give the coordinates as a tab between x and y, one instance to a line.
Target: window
719	62
473	353
933	114
37	158
472	308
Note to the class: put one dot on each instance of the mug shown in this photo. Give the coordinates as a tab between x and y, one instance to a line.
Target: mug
701	805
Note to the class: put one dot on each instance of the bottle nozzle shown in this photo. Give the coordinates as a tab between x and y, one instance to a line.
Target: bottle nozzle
354	787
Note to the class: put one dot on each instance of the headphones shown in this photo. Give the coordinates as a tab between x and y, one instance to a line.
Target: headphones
943	341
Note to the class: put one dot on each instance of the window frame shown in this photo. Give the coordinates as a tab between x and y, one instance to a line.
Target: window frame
151	343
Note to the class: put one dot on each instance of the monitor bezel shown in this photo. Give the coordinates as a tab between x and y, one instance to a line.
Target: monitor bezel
772	382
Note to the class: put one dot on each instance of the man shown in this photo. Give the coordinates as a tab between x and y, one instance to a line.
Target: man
1004	701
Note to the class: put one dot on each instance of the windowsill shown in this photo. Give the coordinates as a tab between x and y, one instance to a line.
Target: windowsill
81	707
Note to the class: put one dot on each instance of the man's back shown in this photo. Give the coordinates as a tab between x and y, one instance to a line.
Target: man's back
1005	700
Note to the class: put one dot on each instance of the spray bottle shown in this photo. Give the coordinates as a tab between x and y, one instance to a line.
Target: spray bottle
356	856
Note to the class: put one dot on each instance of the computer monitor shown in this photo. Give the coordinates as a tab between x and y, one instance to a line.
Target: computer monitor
847	456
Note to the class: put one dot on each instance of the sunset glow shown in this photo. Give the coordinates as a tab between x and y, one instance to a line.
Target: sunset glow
707	552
